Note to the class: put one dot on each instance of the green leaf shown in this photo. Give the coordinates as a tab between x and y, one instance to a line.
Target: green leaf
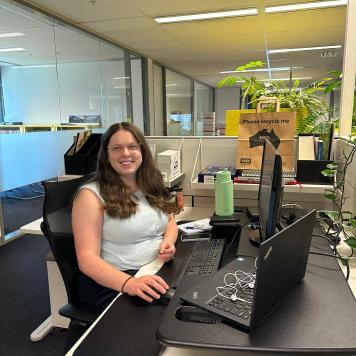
351	242
330	196
328	172
332	214
231	81
332	166
353	223
250	65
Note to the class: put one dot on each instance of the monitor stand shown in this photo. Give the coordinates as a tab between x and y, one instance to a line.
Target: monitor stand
255	236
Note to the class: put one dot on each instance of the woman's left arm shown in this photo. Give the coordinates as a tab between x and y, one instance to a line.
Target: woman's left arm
167	248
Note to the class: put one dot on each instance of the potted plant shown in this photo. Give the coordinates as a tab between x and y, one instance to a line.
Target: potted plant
310	107
343	221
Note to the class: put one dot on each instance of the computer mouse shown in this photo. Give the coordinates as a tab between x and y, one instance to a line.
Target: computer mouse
163	300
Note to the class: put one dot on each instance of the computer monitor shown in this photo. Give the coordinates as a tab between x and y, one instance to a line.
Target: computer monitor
270	191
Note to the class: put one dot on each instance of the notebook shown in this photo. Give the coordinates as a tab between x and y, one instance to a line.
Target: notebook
246	290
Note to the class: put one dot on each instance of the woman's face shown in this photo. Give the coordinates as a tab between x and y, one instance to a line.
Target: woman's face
124	154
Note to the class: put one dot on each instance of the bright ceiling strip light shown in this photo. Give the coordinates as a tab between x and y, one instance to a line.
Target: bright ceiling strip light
305	6
285	50
171	85
206	15
11	34
121	78
14	49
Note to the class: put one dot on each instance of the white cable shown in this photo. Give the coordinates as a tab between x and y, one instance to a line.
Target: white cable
292	204
242	279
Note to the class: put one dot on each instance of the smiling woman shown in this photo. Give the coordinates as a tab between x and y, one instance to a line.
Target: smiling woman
123	220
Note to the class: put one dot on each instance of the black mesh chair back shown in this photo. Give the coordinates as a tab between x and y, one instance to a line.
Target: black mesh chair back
57	228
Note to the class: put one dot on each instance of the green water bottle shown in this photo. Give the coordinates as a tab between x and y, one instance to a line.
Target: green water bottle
224	193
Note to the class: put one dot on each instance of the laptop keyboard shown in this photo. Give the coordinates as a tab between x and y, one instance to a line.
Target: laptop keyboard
238	307
205	257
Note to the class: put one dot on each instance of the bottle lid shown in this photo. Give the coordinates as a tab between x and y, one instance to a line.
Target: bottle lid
223	176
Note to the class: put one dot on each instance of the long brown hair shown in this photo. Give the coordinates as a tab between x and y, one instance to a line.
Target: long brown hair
119	201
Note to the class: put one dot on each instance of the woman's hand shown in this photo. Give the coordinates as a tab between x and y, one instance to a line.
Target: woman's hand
146	287
166	251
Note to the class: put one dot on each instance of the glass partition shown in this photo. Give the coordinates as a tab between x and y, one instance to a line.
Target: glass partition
114	83
203	110
137	93
55	83
179	110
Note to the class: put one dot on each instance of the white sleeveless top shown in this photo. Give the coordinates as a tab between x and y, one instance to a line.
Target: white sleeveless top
130	243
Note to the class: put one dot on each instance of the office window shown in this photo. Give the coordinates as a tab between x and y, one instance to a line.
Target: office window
179	108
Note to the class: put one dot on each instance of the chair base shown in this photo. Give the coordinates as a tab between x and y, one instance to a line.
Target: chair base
42	330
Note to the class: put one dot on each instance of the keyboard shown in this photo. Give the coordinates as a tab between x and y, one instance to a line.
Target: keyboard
240	307
251	173
205	258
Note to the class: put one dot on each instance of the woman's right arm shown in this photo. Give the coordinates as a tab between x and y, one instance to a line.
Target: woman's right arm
87	223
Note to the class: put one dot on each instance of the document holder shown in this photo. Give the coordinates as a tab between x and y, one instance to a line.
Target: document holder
84	161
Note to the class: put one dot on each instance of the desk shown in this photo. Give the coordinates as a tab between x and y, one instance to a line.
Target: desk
318	317
57	292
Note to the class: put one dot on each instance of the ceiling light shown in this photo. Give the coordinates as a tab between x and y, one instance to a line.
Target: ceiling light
34	66
14	49
305	6
275	69
206	16
171	85
121	78
11	34
284	50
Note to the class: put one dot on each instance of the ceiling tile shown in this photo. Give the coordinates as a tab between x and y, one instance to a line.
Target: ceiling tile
214	28
89	10
173	7
128	31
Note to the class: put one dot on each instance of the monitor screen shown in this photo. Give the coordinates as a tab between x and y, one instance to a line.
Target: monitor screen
270	191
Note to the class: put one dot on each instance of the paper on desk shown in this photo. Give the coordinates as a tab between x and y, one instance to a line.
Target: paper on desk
195	227
150	268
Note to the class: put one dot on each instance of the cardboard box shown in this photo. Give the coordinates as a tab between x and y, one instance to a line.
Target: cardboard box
169	163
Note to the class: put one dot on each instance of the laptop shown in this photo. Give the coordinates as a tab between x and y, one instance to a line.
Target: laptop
247	289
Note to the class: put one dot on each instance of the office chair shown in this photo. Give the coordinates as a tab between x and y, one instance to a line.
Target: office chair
57	228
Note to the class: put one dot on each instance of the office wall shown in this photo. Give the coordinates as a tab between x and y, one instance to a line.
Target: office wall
225	99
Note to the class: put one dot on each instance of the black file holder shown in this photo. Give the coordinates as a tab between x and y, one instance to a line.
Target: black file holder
309	171
84	161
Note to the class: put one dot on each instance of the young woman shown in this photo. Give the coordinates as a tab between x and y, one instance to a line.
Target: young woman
122	220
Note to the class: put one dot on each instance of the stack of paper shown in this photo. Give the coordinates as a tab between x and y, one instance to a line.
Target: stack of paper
195	227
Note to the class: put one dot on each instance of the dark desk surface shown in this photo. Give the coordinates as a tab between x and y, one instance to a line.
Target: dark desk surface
319	316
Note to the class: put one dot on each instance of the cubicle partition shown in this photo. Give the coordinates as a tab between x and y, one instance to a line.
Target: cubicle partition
200	152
